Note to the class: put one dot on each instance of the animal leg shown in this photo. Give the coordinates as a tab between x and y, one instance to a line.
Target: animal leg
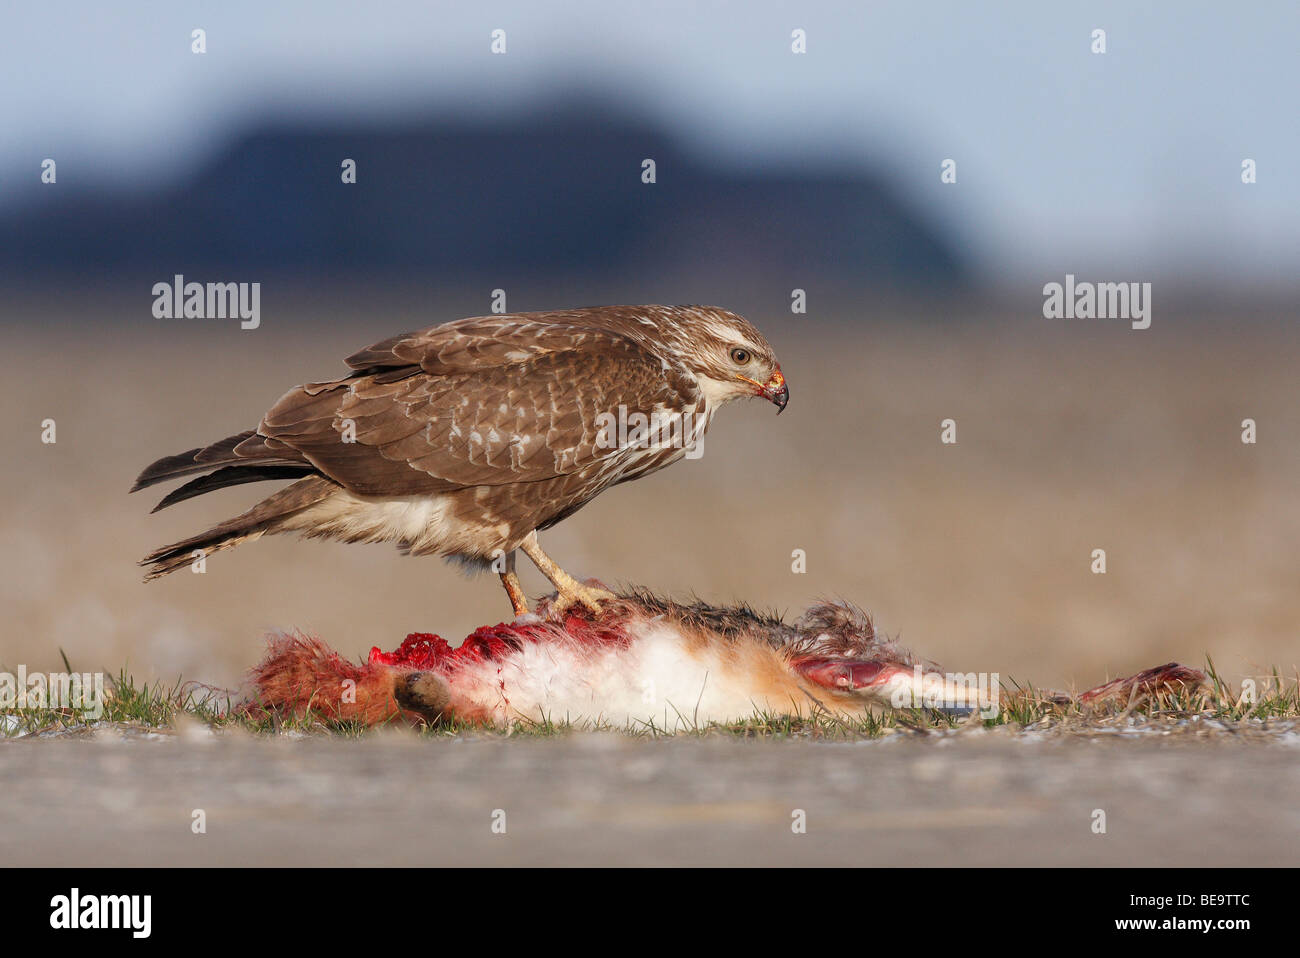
513	588
570	589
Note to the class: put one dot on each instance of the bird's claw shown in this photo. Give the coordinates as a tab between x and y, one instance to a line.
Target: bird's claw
589	597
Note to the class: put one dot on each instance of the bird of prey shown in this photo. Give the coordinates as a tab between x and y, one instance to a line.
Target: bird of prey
465	439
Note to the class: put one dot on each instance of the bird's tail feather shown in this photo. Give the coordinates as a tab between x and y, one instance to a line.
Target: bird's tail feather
269	515
253	451
230	476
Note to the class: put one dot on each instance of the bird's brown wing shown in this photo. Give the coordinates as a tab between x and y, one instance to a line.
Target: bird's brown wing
481	342
467	405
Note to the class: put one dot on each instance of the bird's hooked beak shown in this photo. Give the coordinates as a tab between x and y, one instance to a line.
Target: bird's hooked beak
774	391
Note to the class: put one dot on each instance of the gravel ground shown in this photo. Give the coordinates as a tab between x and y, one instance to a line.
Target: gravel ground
972	798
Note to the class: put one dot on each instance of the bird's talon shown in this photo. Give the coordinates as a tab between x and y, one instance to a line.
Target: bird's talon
586	596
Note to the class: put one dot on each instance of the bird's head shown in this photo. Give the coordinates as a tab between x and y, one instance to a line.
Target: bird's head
730	358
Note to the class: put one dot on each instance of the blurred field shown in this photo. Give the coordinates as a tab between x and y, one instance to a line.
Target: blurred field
1071	436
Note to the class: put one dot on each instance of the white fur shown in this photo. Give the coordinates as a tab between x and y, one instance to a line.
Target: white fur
656	679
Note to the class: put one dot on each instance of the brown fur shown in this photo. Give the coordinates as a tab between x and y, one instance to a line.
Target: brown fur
301	676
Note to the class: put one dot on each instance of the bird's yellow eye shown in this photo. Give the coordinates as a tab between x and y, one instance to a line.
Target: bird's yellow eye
740	356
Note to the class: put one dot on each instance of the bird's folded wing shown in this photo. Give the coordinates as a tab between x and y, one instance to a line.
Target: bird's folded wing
481	342
497	413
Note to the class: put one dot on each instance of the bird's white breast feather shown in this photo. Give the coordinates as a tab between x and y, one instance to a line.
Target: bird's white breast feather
425	522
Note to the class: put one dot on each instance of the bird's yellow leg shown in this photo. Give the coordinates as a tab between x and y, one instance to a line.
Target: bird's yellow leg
570	589
513	588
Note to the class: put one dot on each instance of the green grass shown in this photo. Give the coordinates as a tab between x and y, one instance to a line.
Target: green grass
159	706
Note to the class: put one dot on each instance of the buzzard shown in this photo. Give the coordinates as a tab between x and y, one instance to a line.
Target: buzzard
465	439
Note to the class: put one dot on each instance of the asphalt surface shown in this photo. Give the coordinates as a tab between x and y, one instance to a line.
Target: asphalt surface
974	798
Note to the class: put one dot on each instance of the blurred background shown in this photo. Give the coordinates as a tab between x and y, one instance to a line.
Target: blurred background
775	171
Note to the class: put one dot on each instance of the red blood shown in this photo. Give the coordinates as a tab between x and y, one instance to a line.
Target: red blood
843	674
426	651
420	650
489	642
1170	677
